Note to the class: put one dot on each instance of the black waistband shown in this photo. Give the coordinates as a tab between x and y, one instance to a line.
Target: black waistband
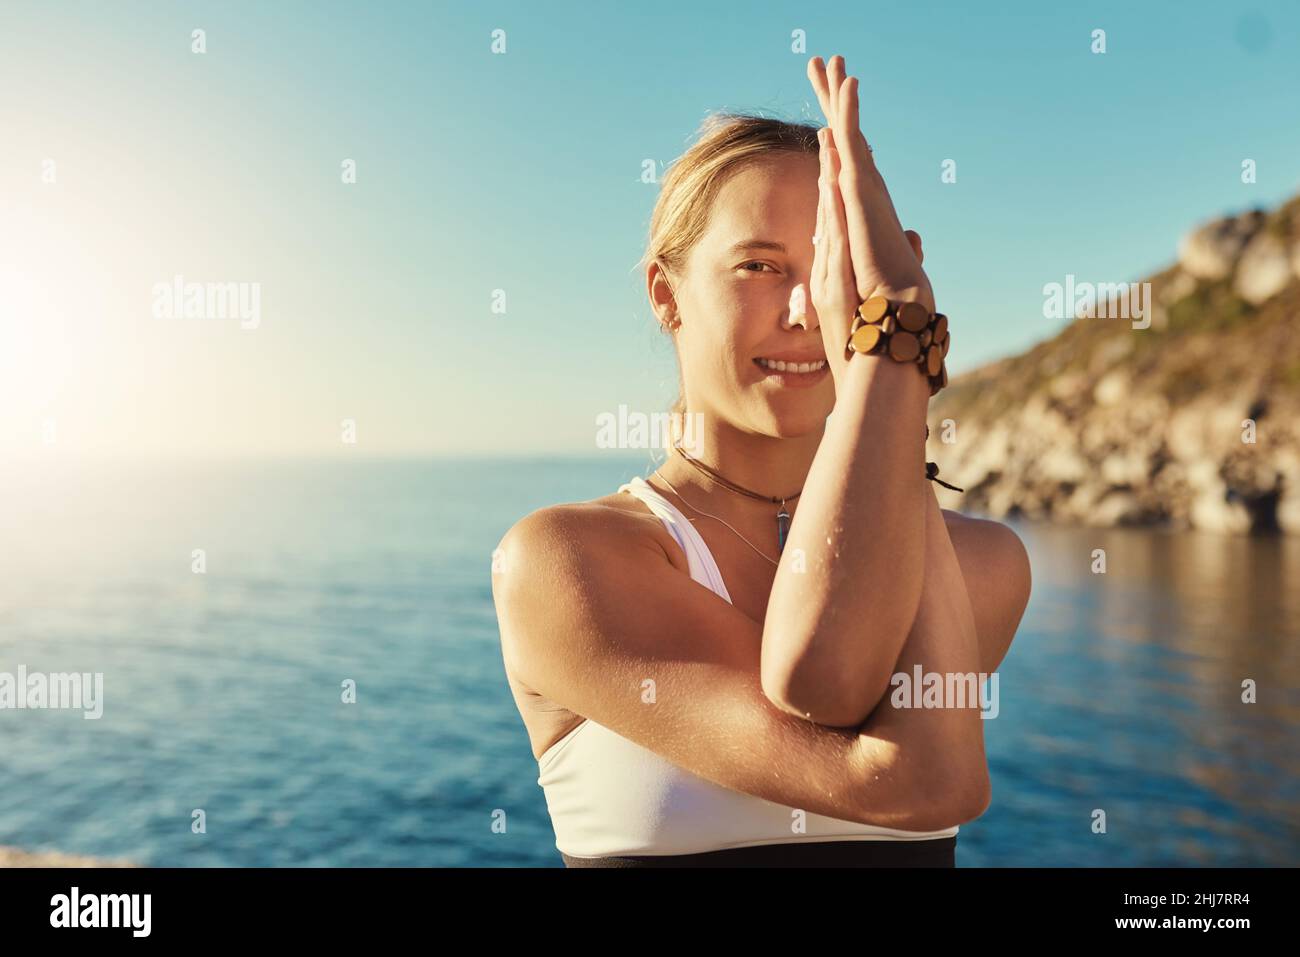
936	852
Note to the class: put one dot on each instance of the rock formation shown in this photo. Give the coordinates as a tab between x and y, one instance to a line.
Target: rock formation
1193	422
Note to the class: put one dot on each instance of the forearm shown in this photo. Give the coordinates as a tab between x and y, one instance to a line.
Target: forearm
941	749
849	581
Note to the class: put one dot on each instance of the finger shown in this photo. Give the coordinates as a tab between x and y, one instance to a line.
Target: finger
817	77
834	80
822	87
870	215
854	144
849	142
854	114
847	115
818	278
914	238
839	264
853	161
865	161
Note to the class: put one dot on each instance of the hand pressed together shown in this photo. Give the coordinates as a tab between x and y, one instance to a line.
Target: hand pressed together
862	249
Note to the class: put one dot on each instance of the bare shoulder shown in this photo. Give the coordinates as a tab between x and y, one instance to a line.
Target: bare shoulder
998	539
545	559
990	547
547	532
995	564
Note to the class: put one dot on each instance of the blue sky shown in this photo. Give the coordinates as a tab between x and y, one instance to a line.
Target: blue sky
521	172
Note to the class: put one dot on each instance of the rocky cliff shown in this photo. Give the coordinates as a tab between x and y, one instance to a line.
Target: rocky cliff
1191	422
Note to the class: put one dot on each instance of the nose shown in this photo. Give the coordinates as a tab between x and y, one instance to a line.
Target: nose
800	312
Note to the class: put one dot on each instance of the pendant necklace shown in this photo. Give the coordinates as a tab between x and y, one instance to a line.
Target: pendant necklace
782	516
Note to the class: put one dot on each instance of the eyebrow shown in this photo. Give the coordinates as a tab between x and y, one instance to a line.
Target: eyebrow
758	244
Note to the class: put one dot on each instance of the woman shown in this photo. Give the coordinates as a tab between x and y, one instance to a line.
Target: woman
704	681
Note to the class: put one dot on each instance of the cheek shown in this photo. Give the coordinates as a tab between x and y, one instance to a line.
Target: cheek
717	354
730	325
759	296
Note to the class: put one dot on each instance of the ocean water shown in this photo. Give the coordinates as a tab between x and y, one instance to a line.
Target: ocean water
222	690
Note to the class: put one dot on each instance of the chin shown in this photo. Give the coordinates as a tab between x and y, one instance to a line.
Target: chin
796	419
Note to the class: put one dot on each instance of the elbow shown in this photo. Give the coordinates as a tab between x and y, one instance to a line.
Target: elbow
973	799
838	697
960	802
818	702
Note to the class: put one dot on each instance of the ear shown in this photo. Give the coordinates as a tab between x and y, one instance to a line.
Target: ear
914	238
662	299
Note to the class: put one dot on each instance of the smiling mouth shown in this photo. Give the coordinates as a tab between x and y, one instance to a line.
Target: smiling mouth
791	368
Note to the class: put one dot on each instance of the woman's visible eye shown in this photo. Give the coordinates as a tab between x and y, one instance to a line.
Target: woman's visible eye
754	263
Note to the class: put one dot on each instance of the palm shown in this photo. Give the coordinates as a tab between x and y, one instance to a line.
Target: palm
884	261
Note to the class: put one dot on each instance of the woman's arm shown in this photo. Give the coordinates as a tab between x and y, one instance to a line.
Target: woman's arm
595	617
996	569
850	577
847	588
943	642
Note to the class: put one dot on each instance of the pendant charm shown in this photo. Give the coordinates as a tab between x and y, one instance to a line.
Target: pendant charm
782	526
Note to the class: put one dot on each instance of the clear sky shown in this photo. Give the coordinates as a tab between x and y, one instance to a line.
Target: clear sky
128	159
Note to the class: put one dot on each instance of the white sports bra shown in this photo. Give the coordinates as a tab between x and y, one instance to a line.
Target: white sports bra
609	796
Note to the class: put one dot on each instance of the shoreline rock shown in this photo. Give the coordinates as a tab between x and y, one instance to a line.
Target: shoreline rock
1193	422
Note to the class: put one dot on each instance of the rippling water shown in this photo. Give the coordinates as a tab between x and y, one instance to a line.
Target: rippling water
222	690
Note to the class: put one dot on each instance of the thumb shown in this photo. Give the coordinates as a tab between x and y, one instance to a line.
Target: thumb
914	238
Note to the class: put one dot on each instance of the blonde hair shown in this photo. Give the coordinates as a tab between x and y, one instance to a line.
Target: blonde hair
726	143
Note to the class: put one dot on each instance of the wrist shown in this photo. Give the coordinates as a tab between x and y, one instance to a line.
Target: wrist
864	374
921	292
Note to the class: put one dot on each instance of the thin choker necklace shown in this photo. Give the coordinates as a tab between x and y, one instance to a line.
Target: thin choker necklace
782	516
724	521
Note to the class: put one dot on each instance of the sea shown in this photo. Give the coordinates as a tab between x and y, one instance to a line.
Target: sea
301	667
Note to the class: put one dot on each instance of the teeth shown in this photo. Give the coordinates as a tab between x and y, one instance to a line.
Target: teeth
778	366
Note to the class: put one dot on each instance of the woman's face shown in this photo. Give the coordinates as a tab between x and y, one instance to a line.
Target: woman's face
744	296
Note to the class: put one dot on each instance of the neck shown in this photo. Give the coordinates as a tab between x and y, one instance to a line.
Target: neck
770	466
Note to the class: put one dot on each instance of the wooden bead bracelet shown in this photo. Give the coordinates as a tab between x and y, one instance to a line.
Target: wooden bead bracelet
904	331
